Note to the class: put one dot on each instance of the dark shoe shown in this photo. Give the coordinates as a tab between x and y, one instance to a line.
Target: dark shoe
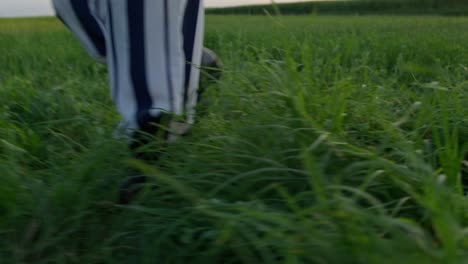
152	130
211	68
130	188
211	72
211	63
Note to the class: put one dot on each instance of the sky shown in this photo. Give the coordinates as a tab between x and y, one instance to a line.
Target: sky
13	8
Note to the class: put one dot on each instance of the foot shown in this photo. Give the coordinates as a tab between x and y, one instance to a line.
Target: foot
211	70
211	65
130	188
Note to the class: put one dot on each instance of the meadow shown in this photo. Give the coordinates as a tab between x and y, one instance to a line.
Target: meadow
353	7
327	140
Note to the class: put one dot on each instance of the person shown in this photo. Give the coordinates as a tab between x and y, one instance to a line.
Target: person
153	50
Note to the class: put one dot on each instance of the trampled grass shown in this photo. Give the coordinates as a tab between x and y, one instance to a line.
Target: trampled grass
328	140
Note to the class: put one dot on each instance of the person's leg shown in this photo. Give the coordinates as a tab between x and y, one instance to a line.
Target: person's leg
148	77
145	54
158	75
153	50
76	15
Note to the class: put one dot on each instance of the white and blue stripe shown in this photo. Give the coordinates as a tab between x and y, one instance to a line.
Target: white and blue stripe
153	50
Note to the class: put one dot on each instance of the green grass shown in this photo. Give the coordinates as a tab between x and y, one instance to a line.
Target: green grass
354	7
328	140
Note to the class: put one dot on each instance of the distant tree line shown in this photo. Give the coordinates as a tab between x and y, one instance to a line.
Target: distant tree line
355	7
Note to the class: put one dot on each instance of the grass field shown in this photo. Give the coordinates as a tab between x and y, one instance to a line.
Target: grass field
328	140
353	7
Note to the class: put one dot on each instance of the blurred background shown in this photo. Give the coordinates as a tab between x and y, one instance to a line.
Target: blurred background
26	8
15	8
